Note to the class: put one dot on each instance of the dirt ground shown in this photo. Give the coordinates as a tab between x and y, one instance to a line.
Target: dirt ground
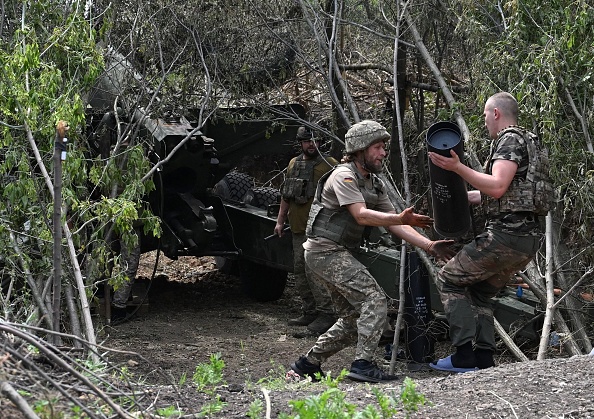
193	312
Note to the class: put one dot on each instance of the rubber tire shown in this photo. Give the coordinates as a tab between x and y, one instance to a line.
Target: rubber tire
234	186
262	283
262	197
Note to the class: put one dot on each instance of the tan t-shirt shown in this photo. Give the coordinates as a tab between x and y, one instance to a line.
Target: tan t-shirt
298	213
341	189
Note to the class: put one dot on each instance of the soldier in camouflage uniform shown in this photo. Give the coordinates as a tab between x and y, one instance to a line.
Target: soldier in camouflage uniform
512	237
303	174
348	199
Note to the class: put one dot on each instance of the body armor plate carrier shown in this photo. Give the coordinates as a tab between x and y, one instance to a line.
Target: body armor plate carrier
339	225
535	192
299	184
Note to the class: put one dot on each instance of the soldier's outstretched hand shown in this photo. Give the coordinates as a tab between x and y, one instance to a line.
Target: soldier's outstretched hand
416	220
441	249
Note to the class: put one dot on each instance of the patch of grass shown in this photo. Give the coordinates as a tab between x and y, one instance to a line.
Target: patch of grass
332	403
168	412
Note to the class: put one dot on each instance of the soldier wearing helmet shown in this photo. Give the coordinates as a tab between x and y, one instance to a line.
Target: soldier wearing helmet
303	173
348	199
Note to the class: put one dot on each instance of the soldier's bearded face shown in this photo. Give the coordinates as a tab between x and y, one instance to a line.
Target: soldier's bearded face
310	148
374	156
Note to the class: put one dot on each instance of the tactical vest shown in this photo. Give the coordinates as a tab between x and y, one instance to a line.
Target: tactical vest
532	194
339	225
299	185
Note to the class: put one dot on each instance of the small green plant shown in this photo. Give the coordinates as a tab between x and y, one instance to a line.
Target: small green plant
168	412
45	409
77	411
332	382
208	376
211	408
329	404
183	379
276	378
40	406
387	403
34	350
93	365
332	403
124	372
409	396
256	408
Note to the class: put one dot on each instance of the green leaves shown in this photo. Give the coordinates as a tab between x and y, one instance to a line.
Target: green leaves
207	377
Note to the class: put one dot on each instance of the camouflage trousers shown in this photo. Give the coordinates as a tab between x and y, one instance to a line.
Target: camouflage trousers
469	281
314	296
130	258
358	301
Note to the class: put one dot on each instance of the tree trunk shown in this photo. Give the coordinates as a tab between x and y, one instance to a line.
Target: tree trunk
546	328
59	156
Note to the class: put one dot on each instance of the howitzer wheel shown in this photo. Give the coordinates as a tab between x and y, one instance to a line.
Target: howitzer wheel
234	186
262	197
260	282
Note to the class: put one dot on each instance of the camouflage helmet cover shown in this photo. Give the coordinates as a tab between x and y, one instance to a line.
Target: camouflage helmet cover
362	134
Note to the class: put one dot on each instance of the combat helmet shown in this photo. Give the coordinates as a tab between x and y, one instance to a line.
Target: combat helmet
304	134
363	134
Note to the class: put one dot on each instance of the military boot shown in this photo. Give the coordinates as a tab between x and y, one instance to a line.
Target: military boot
303	320
322	323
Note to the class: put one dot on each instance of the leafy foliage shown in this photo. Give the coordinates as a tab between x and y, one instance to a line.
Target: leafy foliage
49	64
332	402
542	53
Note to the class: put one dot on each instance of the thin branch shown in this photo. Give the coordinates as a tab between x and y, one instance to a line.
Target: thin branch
16	398
64	365
580	117
37	297
508	403
574	286
569	342
509	342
